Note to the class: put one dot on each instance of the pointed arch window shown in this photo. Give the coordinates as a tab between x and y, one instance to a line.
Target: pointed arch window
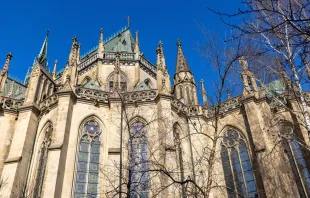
139	169
122	83
43	155
237	166
296	155
88	161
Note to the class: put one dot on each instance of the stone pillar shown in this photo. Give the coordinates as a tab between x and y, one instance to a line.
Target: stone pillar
59	147
7	122
17	163
268	160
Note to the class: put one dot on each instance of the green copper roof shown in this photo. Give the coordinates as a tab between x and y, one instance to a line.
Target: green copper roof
121	41
92	84
13	89
275	88
145	85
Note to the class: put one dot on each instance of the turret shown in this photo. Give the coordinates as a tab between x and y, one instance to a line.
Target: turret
163	79
184	83
248	78
4	72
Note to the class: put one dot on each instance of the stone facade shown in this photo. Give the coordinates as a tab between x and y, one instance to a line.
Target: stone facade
42	132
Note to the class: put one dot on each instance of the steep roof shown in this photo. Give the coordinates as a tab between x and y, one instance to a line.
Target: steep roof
121	41
182	65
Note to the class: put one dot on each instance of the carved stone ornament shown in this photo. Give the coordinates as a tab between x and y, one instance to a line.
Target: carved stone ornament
231	138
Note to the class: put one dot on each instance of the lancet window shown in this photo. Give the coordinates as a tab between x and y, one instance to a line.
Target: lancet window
237	166
139	169
296	155
88	164
188	95
42	162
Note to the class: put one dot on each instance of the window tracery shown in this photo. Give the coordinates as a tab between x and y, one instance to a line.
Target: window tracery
43	155
87	174
297	159
237	166
122	83
139	175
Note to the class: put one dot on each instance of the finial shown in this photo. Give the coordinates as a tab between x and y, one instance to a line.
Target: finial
228	94
179	43
137	45
243	63
9	55
160	44
74	39
101	30
47	32
128	21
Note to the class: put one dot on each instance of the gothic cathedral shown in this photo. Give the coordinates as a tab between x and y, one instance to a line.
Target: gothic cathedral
111	123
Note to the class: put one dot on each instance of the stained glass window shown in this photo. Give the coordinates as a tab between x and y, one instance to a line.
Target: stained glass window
297	159
43	154
139	175
237	166
87	175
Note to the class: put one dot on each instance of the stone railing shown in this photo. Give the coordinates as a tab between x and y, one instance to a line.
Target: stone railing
48	102
147	64
140	96
123	56
92	94
225	106
10	103
87	62
189	110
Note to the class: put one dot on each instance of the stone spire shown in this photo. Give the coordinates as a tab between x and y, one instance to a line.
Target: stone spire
204	93
163	79
70	71
160	61
283	75
4	72
54	70
137	45
73	57
42	57
248	78
101	42
182	64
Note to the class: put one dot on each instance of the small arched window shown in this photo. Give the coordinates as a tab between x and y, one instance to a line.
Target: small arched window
88	161
296	155
237	166
122	83
43	155
139	169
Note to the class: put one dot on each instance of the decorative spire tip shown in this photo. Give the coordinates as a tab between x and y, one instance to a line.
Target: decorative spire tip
179	43
9	55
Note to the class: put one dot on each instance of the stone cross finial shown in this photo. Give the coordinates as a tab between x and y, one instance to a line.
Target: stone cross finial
128	21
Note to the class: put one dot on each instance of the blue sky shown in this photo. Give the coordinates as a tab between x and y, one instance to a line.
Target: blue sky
24	24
